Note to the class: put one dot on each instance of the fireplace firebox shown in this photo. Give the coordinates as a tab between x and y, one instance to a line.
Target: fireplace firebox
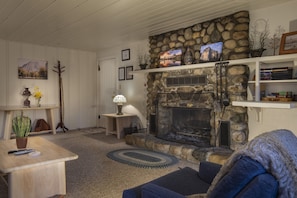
186	125
186	117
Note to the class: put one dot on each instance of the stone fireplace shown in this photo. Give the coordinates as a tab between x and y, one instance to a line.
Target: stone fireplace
193	113
189	111
201	98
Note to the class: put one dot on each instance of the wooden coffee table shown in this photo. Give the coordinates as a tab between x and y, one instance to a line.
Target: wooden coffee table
35	176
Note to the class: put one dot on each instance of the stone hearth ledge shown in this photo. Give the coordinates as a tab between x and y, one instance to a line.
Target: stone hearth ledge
190	153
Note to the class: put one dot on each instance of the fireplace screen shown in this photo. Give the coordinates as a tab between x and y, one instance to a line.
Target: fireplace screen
186	125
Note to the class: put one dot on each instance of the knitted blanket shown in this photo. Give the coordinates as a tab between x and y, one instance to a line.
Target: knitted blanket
277	152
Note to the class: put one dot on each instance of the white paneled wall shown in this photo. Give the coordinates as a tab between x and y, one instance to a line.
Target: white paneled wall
134	90
79	82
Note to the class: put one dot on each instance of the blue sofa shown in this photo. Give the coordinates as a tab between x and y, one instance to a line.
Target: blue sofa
264	167
247	178
185	181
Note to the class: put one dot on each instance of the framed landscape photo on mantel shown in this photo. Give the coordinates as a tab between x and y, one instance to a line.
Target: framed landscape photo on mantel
211	52
288	43
125	54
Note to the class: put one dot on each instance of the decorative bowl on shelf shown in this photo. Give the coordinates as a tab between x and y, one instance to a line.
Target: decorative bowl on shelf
142	66
257	52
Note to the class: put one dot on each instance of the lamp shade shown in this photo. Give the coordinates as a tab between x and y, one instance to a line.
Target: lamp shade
119	99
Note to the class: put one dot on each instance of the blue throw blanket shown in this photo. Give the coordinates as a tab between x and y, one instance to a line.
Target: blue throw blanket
277	152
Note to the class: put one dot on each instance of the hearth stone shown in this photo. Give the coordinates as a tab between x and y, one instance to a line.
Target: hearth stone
181	151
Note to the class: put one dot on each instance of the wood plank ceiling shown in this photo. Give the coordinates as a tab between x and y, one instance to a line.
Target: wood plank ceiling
98	24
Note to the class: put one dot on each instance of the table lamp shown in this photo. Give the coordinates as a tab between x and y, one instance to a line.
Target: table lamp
119	100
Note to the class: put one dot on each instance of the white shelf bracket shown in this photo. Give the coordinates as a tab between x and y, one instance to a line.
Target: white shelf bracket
259	113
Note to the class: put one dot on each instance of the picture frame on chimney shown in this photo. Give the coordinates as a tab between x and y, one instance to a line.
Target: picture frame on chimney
128	75
288	43
170	58
125	54
211	52
121	73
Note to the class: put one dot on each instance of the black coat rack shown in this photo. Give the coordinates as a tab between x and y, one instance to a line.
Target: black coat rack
58	69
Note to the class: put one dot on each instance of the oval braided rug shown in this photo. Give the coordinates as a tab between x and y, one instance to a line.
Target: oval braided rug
142	158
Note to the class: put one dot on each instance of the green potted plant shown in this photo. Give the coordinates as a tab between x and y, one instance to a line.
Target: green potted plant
21	126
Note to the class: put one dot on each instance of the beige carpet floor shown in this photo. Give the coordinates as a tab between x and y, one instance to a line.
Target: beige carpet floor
95	175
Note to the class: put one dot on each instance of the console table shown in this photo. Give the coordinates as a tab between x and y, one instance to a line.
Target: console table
115	123
9	113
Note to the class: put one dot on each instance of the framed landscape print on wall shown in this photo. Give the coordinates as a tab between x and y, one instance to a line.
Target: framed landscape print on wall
32	69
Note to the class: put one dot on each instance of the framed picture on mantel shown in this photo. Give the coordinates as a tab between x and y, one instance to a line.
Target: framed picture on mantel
288	43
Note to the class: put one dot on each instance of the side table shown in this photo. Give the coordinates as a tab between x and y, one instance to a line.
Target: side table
115	124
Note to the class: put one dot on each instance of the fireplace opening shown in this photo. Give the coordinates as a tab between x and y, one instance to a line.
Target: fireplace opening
186	126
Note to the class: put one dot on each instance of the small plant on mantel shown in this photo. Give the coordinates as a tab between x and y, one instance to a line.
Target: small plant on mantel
258	35
143	61
21	126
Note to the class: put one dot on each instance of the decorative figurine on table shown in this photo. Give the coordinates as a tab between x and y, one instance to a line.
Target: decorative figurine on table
27	94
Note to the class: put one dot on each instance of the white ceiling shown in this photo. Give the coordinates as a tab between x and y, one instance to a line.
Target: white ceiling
98	24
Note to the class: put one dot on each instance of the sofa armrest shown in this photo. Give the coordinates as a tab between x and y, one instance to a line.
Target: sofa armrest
264	185
208	171
238	177
154	191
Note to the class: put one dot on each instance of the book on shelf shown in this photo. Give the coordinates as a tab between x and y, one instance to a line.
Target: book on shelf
279	73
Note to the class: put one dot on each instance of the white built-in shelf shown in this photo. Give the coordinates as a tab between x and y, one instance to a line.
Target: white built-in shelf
246	61
274	81
291	58
33	133
266	104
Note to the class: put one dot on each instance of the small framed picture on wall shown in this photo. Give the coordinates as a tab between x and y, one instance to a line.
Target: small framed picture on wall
129	76
121	73
125	54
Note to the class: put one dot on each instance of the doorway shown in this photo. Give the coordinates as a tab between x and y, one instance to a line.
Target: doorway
106	87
